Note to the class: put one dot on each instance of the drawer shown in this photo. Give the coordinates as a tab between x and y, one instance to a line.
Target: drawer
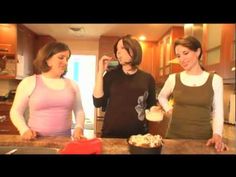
5	107
99	124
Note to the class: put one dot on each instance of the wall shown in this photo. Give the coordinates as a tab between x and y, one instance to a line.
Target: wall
6	85
83	47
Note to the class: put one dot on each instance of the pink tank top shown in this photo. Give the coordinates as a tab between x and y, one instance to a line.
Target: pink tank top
50	109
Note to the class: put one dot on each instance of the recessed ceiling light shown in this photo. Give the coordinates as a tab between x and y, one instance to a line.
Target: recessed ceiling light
142	38
77	31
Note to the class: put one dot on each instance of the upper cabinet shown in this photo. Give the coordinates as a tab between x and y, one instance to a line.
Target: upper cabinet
25	52
106	44
148	52
18	49
219	50
164	54
8	38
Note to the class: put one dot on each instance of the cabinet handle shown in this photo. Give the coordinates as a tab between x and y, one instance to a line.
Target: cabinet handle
3	49
4	130
3	118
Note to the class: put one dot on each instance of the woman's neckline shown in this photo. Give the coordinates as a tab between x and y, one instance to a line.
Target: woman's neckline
130	72
194	75
50	78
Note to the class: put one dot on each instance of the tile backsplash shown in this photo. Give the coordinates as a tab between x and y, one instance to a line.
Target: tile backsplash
7	85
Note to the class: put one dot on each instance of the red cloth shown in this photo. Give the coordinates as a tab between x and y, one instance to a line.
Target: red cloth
83	146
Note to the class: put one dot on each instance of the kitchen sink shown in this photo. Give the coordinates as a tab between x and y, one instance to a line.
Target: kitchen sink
27	150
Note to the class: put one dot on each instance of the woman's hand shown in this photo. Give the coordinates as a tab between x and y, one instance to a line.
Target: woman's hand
78	134
219	144
29	135
103	62
168	114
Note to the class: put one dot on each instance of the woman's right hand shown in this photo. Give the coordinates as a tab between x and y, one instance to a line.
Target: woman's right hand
103	62
29	135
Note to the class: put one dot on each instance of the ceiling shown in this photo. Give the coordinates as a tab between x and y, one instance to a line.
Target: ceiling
153	32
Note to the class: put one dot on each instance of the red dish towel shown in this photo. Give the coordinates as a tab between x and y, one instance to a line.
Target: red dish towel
83	146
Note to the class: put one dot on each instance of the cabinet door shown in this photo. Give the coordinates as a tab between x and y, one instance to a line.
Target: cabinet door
218	51
8	38
148	49
25	51
6	126
228	52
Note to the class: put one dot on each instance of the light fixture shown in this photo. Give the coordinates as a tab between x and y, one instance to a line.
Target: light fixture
77	31
142	38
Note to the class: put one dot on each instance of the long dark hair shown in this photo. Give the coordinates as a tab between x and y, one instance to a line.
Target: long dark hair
191	43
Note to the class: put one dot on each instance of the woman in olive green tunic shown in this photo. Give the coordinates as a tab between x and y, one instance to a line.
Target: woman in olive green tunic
197	112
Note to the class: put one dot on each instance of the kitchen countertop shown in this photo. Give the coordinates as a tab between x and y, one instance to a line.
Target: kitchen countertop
120	146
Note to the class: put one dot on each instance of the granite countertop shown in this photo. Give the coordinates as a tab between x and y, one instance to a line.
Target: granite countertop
120	146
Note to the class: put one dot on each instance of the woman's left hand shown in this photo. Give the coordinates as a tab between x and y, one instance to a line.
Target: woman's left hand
219	144
78	134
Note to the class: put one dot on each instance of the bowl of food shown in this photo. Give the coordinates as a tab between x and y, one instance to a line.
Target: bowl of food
145	144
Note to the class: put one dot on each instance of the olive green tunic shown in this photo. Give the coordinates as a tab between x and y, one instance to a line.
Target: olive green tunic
191	117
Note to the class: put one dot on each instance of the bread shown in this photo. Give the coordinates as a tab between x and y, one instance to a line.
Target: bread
146	140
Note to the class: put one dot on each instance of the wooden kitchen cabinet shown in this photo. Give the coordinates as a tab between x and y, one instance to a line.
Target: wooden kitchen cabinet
25	51
7	51
148	49
219	50
6	126
106	44
8	38
164	52
22	51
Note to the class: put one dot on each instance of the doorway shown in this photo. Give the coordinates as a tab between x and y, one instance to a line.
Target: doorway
81	69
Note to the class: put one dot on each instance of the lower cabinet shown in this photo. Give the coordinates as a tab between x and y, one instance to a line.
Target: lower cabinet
6	126
99	124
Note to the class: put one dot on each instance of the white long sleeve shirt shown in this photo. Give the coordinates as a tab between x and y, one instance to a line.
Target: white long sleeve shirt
198	80
25	89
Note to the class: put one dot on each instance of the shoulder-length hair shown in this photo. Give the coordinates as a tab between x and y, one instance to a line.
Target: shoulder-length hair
190	42
133	47
46	52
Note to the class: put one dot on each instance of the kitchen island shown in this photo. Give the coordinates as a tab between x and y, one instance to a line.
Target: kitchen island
120	146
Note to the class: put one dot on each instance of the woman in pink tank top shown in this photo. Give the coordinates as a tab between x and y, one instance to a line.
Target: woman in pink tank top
50	97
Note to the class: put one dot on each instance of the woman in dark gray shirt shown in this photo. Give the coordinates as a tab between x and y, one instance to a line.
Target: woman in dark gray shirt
124	92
